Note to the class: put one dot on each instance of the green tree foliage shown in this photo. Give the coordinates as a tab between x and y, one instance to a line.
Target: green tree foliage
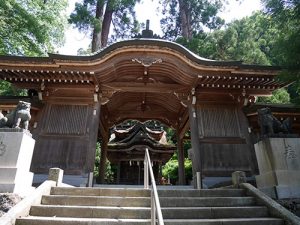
250	40
31	28
186	17
170	170
279	96
96	17
286	18
285	15
6	89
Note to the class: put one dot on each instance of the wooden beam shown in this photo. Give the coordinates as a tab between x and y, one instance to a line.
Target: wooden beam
57	85
223	140
224	91
143	87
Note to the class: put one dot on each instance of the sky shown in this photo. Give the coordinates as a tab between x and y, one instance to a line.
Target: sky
147	9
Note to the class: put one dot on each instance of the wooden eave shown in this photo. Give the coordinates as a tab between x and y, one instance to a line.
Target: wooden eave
140	79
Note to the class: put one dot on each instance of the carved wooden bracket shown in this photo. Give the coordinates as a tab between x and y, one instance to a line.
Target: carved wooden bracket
105	96
183	97
244	99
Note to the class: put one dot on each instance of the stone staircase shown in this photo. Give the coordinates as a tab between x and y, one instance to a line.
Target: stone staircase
213	207
112	206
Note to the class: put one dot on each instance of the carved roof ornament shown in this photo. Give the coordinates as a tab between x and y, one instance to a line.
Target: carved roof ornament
147	62
147	33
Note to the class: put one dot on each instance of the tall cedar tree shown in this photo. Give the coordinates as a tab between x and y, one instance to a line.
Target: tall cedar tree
285	15
97	16
186	17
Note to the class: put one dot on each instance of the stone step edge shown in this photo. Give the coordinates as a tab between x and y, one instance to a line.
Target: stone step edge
215	207
43	218
147	208
139	197
104	189
92	207
258	219
144	220
148	190
97	197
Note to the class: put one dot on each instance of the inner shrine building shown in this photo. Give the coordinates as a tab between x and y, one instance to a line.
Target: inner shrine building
78	99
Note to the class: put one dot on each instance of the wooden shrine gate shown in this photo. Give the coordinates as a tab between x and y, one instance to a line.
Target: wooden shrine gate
82	97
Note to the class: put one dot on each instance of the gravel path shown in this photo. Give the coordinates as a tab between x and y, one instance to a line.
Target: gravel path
7	201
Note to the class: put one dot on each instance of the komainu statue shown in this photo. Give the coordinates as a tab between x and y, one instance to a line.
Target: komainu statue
270	125
18	118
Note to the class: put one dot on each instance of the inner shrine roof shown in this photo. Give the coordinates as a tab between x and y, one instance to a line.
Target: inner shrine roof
129	144
139	136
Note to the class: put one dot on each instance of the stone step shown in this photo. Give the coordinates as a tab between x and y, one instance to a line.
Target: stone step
145	201
206	201
82	191
91	212
96	201
88	221
127	206
202	193
144	212
33	220
214	212
227	221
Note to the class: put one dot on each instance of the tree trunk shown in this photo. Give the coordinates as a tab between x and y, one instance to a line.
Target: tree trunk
96	41
106	25
185	19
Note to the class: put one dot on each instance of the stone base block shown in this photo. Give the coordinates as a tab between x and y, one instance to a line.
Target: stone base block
13	175
279	167
16	149
21	186
282	192
275	178
74	180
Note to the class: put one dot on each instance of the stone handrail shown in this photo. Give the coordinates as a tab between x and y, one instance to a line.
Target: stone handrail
274	208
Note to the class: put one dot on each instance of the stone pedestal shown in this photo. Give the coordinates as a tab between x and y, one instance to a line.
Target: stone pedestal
16	148
279	167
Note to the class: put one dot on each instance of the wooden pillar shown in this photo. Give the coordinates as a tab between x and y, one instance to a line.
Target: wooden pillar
159	172
118	172
102	166
139	166
180	152
197	164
